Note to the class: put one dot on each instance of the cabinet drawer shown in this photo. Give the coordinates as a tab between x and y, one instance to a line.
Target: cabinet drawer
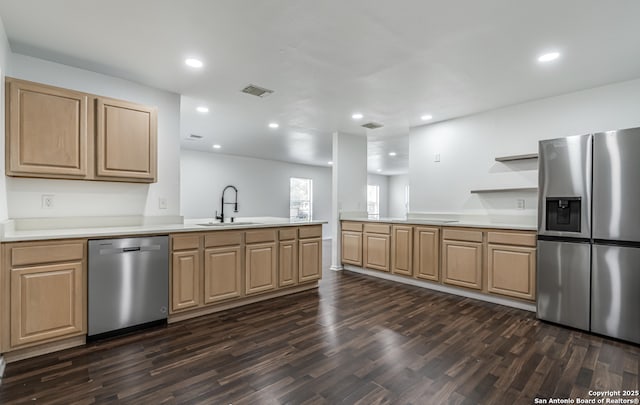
262	235
47	253
288	234
462	234
378	228
310	231
352	226
185	242
512	238
223	238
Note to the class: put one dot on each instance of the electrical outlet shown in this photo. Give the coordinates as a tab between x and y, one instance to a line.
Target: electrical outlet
436	157
162	203
47	201
520	203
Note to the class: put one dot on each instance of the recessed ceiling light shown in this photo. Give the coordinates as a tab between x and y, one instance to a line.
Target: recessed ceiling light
392	153
273	125
357	116
194	63
330	163
548	57
378	170
426	117
202	109
216	146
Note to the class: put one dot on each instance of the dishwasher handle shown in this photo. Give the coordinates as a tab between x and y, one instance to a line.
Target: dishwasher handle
112	251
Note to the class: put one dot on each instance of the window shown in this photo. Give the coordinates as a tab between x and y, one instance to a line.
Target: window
300	199
373	201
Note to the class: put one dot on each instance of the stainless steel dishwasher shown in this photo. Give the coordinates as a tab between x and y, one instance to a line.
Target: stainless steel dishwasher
128	284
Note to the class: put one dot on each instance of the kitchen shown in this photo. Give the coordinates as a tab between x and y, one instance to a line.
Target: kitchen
506	103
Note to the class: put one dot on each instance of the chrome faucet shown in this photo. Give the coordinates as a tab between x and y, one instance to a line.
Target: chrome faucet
235	204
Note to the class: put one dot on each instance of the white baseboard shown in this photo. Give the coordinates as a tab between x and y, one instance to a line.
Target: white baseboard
443	288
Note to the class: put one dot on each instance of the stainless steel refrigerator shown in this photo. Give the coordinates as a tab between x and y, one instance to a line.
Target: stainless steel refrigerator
588	274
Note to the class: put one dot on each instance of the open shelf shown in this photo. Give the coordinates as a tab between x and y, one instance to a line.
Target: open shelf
502	190
517	157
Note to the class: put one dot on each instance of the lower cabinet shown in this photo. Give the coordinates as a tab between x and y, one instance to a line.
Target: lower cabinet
260	268
462	263
222	273
310	259
426	253
288	263
511	263
401	250
352	248
47	292
375	251
185	280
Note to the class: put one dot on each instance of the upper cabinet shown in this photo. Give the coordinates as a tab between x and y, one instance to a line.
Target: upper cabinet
125	140
47	131
59	133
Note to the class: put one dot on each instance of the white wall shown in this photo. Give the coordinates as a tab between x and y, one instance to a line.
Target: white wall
5	51
85	198
397	187
263	186
468	146
383	187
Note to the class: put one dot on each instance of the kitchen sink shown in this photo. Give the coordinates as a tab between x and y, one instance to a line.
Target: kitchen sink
214	224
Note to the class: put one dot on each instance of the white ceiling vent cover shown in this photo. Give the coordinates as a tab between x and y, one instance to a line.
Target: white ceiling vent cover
257	91
372	125
194	137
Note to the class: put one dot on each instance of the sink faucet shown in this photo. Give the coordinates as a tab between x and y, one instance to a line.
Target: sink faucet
235	204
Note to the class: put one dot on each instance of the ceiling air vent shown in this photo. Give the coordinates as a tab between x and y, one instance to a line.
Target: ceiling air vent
257	91
194	137
372	125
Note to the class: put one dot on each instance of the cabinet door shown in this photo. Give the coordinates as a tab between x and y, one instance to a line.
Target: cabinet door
126	136
310	259
462	263
288	263
222	274
512	271
185	280
47	303
376	251
427	253
352	248
260	268
401	250
46	131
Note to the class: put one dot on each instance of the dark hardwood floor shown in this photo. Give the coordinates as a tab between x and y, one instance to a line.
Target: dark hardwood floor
354	340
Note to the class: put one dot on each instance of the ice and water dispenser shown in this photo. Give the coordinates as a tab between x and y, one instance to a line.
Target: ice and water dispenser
563	214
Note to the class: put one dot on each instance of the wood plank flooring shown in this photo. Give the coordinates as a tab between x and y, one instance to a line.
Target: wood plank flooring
355	340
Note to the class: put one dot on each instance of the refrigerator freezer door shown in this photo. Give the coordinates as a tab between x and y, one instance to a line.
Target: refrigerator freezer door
614	296
616	188
565	171
563	278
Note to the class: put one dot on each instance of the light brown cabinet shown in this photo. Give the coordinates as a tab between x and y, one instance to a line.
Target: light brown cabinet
47	291
47	131
462	258
426	259
288	257
402	250
54	132
260	268
222	266
125	140
310	253
186	273
511	264
352	248
376	246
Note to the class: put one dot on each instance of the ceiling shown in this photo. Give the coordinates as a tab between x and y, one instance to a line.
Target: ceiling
392	61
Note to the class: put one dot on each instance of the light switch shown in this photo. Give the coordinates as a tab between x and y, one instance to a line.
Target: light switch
162	203
436	158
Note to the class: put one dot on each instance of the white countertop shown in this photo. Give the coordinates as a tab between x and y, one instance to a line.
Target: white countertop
493	223
191	225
